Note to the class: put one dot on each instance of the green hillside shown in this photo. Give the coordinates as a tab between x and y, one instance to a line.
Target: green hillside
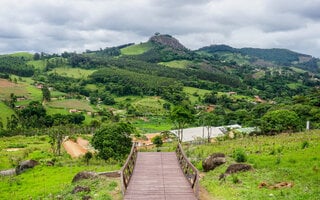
136	49
290	158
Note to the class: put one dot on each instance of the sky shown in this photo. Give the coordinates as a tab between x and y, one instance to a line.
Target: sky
55	26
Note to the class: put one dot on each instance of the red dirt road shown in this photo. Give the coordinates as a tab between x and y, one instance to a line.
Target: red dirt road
76	149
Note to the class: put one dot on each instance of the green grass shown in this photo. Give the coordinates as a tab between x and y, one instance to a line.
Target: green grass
72	72
195	93
38	64
136	49
23	54
152	124
294	85
42	181
181	64
150	106
275	159
91	87
82	105
5	112
298	70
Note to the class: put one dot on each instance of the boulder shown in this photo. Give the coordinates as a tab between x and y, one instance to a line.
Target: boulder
9	172
79	188
84	175
24	165
235	168
213	161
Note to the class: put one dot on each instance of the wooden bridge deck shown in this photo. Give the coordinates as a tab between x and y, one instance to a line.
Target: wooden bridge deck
157	175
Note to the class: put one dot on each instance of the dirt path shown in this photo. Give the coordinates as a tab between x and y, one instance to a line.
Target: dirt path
76	149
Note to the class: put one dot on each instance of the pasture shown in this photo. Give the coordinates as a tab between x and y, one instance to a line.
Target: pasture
48	182
292	158
136	49
82	105
180	64
73	72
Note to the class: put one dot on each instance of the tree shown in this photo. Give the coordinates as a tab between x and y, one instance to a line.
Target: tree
56	136
157	140
277	121
46	96
87	157
180	116
113	140
209	120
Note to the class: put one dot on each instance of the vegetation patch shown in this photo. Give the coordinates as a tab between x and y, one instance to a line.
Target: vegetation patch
290	172
136	49
73	72
180	64
81	105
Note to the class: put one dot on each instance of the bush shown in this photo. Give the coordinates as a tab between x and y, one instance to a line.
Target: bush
305	144
239	155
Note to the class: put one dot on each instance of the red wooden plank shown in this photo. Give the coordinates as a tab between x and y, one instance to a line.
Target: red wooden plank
157	176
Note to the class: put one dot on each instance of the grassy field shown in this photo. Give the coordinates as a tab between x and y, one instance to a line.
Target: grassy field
23	54
182	64
150	106
38	64
290	158
5	112
195	93
72	72
152	124
47	182
136	49
7	87
82	105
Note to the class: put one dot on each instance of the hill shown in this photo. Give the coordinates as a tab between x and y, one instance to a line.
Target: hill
104	82
280	57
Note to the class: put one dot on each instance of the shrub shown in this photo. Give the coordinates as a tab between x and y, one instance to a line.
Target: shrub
240	155
305	144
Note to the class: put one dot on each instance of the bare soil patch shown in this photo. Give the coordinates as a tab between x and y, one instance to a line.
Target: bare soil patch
76	149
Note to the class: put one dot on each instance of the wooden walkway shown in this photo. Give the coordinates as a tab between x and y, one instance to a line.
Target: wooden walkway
157	175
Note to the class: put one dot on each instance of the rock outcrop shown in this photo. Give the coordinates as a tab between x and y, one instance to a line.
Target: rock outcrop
213	161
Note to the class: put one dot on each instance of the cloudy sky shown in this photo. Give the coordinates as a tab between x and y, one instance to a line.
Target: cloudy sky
77	25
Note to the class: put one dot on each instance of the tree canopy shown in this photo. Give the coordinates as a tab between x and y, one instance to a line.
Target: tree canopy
113	140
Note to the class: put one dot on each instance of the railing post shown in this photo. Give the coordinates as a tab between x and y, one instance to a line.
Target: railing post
127	169
190	172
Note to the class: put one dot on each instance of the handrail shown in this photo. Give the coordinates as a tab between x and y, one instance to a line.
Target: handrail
127	169
190	172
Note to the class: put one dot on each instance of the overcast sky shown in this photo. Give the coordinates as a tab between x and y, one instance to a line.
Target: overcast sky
55	26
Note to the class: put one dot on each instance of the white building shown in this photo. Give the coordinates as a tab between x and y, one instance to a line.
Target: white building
190	134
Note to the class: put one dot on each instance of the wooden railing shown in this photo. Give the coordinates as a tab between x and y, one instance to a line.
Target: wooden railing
190	172
127	169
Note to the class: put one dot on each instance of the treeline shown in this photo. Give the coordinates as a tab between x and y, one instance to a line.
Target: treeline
15	65
35	116
123	82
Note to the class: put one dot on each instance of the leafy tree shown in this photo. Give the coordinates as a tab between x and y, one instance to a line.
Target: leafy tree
46	95
157	140
113	140
56	136
180	116
280	120
209	120
87	157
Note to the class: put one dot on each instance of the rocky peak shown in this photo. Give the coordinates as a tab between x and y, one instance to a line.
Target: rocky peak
167	40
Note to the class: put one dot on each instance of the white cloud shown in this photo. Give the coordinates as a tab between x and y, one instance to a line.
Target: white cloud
77	25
